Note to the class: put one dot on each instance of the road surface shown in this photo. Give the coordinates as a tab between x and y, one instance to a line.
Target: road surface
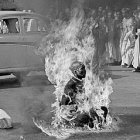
35	96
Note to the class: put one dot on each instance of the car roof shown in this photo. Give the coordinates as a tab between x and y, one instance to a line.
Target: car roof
18	13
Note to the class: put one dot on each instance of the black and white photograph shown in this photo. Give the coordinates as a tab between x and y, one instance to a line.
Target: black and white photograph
69	69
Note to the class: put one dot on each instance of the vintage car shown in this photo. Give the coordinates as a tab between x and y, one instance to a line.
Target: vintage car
20	32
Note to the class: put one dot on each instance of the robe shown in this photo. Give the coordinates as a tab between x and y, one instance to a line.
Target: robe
136	61
126	23
110	48
128	48
117	36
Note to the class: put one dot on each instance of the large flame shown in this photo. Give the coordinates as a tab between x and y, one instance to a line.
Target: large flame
67	43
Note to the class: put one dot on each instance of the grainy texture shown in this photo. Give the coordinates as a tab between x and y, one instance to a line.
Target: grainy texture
34	98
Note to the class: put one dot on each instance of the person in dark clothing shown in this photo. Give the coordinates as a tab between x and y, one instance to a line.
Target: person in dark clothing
72	89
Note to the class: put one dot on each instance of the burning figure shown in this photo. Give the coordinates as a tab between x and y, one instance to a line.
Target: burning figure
82	98
70	100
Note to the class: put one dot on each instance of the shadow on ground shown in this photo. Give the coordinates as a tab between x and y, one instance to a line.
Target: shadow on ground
118	76
129	129
39	80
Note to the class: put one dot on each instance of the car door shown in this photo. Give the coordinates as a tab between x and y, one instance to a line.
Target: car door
34	29
12	50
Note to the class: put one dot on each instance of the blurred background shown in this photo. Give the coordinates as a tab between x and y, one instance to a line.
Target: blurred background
54	7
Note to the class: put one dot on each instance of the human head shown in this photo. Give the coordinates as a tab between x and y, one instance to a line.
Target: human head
78	69
93	12
109	14
100	9
135	14
123	11
138	7
131	27
138	15
104	12
106	8
117	15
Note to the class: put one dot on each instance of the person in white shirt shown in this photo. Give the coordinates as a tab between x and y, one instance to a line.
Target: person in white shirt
128	47
136	62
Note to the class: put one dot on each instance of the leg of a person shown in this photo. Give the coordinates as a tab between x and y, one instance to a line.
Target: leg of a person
129	57
81	120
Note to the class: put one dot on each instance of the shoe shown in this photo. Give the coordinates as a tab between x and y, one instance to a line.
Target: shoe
123	66
130	66
135	70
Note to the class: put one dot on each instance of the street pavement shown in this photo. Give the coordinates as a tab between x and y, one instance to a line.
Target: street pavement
34	98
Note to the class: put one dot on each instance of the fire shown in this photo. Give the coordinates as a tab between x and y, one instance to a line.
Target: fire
72	42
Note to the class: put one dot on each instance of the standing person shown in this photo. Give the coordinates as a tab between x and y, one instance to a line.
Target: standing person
126	25
117	36
128	47
136	62
110	49
135	14
100	9
102	38
123	27
99	33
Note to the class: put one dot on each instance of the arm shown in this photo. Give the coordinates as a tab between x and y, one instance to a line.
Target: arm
69	96
65	100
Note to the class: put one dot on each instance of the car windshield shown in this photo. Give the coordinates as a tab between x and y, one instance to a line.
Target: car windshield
9	25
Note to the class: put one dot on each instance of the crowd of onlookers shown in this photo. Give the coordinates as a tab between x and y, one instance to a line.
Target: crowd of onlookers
116	33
